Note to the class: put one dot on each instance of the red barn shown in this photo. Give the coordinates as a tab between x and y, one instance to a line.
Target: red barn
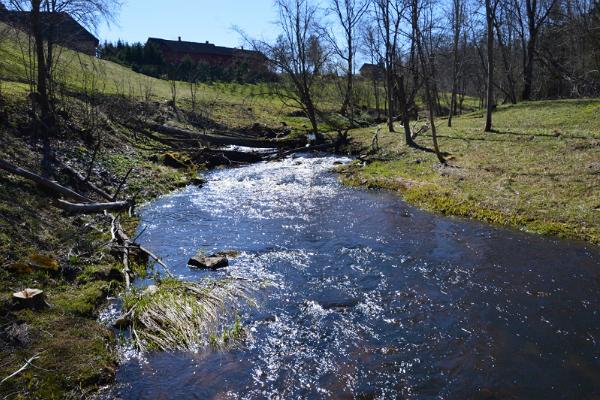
60	27
174	51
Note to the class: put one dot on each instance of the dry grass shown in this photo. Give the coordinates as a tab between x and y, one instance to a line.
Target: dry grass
186	316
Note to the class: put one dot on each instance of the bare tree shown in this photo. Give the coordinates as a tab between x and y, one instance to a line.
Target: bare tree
456	21
490	16
426	61
41	27
372	49
532	14
387	14
349	14
298	54
505	35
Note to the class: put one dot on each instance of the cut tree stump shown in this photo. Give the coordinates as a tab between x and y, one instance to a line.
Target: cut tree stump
33	299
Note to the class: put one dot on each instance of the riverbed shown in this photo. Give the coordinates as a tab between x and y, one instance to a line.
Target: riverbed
370	298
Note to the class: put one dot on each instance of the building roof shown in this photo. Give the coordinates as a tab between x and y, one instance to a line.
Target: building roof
183	47
63	27
368	66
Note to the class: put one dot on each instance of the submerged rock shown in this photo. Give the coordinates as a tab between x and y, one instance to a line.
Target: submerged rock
198	181
213	262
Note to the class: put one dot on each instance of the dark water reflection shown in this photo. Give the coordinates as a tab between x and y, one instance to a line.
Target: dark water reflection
371	298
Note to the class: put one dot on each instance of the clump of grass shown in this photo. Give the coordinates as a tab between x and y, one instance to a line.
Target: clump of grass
178	315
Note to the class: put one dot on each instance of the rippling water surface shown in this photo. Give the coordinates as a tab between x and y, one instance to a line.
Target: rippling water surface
371	298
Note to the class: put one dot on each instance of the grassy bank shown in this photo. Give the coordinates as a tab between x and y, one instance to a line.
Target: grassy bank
539	171
66	255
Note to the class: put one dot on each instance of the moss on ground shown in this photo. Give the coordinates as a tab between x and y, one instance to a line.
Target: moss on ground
76	272
539	171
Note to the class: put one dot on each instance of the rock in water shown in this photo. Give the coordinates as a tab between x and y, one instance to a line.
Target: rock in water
213	262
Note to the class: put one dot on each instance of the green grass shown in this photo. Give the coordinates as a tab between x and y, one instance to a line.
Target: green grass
231	104
539	170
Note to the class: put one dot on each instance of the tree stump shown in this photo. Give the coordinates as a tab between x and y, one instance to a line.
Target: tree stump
33	299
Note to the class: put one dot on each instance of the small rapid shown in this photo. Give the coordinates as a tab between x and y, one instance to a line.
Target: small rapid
370	298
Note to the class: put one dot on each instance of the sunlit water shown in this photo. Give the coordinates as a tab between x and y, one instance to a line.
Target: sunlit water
370	298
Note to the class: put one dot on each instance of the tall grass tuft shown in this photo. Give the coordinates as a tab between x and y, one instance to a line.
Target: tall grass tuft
186	316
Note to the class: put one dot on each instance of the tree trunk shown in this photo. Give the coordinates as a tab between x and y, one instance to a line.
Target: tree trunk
311	113
45	124
404	110
489	12
390	98
426	78
528	71
348	98
455	66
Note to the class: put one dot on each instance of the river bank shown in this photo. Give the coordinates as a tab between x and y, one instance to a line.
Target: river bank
69	256
539	171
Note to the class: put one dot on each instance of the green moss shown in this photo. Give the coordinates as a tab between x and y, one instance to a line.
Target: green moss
74	353
83	300
103	272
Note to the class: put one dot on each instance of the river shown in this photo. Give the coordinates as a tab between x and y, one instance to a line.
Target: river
370	298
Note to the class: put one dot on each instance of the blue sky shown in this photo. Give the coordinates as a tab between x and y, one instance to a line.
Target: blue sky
199	20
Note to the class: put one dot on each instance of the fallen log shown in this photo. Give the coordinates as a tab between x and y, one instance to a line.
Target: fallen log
86	182
219	138
91	208
301	150
45	183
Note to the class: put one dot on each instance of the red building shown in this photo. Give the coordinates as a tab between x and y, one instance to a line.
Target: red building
174	51
59	27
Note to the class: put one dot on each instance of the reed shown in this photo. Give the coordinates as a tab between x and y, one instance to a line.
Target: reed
187	316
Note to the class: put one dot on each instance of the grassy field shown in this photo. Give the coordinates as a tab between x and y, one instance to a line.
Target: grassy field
232	104
539	170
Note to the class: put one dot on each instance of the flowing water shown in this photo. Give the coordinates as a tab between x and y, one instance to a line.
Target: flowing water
370	298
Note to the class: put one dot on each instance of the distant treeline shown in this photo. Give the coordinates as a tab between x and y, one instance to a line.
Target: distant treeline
148	59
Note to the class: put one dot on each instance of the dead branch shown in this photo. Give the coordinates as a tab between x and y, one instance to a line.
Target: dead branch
46	183
121	238
23	368
158	260
123	181
91	208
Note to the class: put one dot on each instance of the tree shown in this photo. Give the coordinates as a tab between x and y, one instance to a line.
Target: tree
426	62
349	14
490	16
456	22
387	14
41	26
298	54
532	14
372	46
505	35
